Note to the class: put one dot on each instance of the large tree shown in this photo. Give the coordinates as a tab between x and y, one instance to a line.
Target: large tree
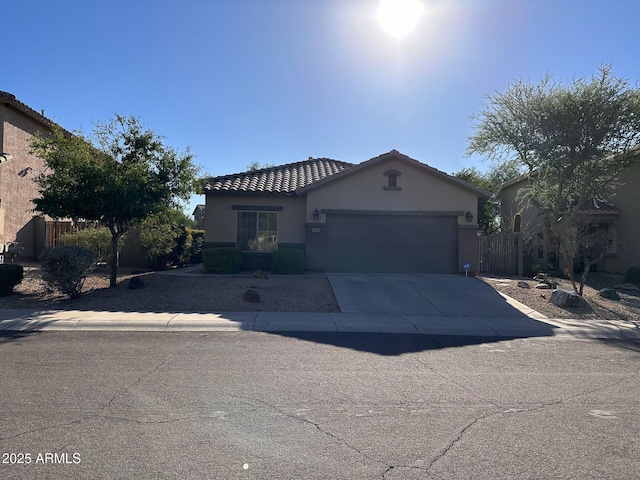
490	180
573	139
118	176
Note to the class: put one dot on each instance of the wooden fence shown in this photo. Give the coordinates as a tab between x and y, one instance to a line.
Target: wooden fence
500	254
56	228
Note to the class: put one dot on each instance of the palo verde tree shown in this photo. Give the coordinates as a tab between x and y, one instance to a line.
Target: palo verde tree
574	140
118	176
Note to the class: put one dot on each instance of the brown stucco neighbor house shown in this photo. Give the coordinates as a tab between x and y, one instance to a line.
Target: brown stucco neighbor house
389	214
18	167
619	220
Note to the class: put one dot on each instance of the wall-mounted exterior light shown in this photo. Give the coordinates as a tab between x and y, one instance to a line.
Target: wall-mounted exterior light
316	214
469	217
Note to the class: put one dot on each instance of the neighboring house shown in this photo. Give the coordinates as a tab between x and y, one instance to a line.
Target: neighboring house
619	223
198	216
18	167
388	214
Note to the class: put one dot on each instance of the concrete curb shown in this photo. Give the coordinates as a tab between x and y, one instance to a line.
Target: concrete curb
77	320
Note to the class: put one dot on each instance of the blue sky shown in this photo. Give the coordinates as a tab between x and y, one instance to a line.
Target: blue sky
278	81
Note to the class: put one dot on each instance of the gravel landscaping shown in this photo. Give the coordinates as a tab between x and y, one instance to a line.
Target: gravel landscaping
597	308
168	293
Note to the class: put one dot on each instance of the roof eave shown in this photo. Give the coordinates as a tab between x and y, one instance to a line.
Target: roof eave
247	193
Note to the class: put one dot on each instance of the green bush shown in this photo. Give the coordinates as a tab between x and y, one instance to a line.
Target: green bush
633	275
159	240
98	240
288	262
197	241
11	274
65	268
167	239
222	260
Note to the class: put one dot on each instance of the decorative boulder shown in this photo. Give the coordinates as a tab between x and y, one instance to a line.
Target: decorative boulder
565	298
609	293
136	282
252	296
522	284
543	286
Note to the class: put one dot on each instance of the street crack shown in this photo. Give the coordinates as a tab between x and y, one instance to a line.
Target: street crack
151	371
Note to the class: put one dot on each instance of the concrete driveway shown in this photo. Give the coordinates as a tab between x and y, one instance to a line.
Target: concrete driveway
409	294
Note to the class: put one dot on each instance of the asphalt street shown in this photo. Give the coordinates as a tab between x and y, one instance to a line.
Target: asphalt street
255	405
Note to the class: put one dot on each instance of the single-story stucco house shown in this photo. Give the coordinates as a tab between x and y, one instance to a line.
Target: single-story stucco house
389	214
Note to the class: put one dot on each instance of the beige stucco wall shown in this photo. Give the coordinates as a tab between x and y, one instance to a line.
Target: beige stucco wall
420	191
17	188
221	220
531	221
627	198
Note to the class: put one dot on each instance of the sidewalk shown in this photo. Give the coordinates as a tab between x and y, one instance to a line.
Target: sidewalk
77	320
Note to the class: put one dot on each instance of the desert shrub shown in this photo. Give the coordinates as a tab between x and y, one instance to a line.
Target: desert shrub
98	240
11	274
65	268
222	260
530	269
288	262
197	241
182	252
633	275
159	241
167	239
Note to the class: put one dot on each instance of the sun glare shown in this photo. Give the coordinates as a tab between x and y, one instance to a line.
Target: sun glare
399	17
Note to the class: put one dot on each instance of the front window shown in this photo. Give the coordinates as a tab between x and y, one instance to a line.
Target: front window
258	231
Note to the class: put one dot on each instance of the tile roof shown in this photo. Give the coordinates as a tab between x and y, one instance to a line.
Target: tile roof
6	97
280	179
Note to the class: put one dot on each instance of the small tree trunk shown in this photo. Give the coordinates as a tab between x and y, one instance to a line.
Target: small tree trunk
114	260
571	276
583	279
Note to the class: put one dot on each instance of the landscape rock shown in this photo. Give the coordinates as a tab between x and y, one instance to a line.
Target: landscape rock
252	296
136	282
565	298
609	293
543	286
522	284
261	274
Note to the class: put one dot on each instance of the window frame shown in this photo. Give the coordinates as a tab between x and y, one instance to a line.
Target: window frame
260	244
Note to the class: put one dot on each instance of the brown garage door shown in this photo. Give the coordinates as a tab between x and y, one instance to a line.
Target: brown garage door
391	244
